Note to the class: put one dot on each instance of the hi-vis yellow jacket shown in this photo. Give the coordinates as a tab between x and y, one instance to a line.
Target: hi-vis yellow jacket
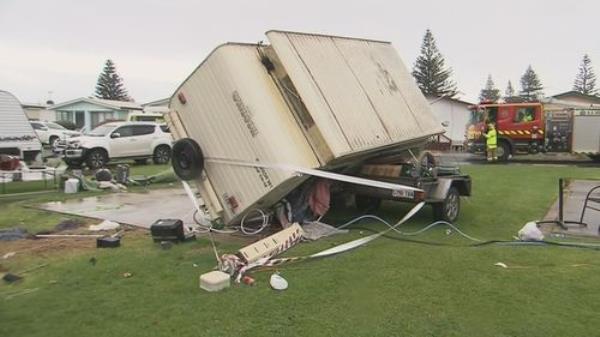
492	138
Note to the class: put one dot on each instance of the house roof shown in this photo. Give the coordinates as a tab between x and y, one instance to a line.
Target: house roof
432	97
33	106
107	103
577	94
158	102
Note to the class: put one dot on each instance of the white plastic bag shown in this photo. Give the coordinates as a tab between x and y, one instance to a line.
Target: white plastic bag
530	232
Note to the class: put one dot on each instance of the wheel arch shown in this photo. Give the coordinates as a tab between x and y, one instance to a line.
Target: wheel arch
509	141
162	145
95	148
463	187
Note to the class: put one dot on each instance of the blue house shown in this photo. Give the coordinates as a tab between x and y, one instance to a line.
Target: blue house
88	112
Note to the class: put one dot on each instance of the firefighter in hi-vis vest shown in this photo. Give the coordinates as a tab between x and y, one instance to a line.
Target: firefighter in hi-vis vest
491	143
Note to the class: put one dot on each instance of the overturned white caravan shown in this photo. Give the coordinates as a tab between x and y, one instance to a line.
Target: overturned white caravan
17	136
255	121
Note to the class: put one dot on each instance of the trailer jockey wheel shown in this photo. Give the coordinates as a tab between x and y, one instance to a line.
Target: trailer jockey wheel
427	165
188	160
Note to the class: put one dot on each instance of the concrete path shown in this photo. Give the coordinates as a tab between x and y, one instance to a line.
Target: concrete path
574	197
138	209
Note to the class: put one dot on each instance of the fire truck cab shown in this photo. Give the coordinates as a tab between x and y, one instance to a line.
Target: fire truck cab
520	127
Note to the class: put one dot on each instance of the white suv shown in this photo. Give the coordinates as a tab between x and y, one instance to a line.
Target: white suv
120	140
51	133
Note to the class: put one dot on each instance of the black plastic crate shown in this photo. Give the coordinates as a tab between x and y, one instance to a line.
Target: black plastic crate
167	230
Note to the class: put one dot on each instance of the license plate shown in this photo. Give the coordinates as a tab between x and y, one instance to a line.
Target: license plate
407	194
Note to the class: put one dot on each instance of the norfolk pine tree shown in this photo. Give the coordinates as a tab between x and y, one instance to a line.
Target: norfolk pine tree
430	71
531	86
110	84
490	92
510	91
585	81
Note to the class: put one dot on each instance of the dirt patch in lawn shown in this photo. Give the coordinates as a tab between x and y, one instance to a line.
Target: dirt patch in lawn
46	247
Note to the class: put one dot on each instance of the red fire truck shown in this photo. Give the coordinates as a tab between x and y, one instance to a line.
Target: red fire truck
533	127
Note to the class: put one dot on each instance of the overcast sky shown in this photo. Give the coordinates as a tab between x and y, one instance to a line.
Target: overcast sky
61	45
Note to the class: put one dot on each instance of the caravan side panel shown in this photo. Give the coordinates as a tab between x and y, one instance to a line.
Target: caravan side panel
15	130
359	92
235	112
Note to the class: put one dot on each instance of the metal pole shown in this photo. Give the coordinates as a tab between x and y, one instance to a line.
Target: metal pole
560	203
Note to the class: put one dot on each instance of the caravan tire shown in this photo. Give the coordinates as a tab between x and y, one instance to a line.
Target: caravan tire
187	159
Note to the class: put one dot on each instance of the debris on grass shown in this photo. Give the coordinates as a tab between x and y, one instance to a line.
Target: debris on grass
167	230
127	275
105	225
530	232
108	242
8	255
248	280
316	230
277	282
214	281
11	278
112	186
23	292
500	264
39	266
49	236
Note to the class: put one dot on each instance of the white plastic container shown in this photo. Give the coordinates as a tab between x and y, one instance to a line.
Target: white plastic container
214	281
71	186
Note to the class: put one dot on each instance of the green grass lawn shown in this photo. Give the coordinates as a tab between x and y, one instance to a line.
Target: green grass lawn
388	288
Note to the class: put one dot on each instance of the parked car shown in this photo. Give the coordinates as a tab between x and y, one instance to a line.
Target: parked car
120	140
51	133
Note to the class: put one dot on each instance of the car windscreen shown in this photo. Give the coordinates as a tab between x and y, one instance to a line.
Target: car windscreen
101	131
55	126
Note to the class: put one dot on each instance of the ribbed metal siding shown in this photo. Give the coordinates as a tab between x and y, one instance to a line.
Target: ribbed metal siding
359	92
14	123
586	134
214	119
